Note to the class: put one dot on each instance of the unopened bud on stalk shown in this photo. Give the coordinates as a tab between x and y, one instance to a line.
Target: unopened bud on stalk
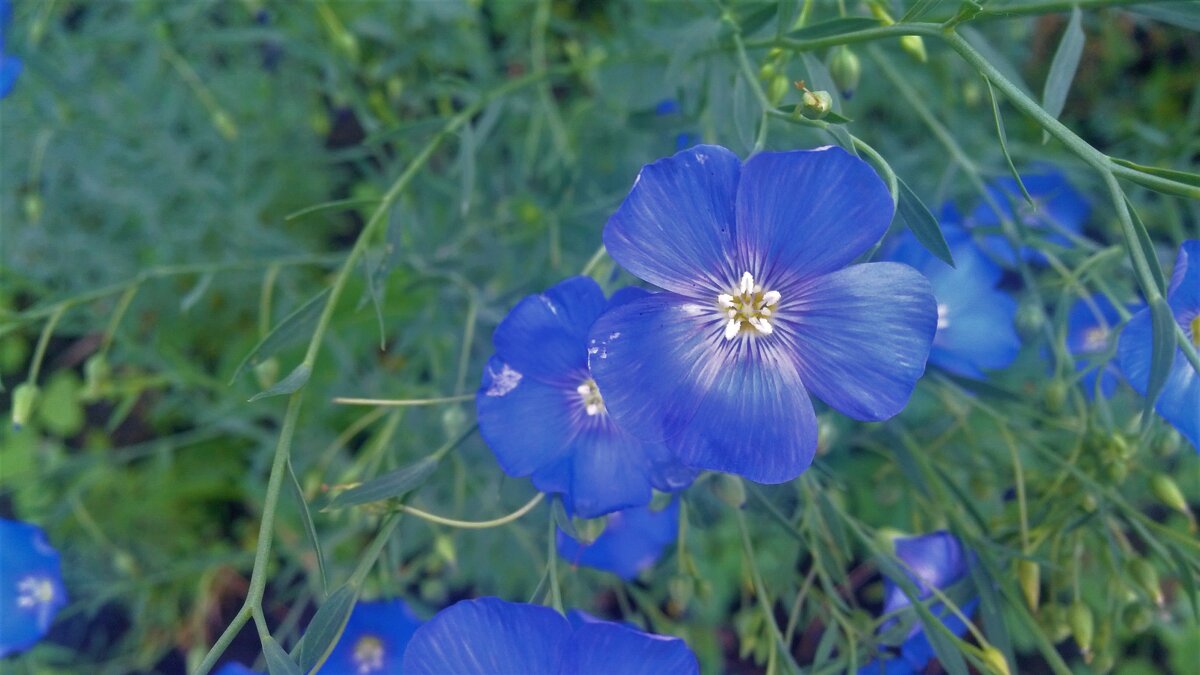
589	530
777	89
1030	578
730	490
24	397
915	46
1083	627
96	373
846	70
995	661
1146	577
1168	492
1137	617
681	588
225	125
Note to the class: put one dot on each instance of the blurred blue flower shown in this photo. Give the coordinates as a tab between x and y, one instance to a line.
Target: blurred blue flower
631	542
760	308
235	668
1057	209
543	416
374	640
10	66
1179	402
490	635
935	560
1090	326
975	330
31	587
669	107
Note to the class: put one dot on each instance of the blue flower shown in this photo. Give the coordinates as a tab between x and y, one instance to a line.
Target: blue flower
10	66
934	560
1179	402
31	586
975	329
235	668
631	542
1057	209
491	636
1090	326
374	640
543	416
760	308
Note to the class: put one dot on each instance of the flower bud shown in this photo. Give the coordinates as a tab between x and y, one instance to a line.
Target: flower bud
33	207
915	46
96	373
1056	396
1146	578
24	397
1083	627
995	661
266	373
588	530
1167	491
225	125
816	104
445	548
681	588
1103	663
846	70
1137	617
776	90
1029	577
1052	618
730	490
767	71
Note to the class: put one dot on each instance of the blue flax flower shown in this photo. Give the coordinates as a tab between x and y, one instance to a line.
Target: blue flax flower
1057	209
1090	325
543	416
1179	402
491	636
975	329
10	66
235	668
760	308
374	640
631	542
31	587
934	560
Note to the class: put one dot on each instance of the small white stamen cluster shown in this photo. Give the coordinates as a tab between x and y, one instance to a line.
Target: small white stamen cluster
33	591
943	316
590	393
368	654
748	306
1095	339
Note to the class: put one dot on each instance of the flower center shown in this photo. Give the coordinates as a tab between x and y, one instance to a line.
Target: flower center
34	591
593	403
1095	339
368	654
943	316
748	308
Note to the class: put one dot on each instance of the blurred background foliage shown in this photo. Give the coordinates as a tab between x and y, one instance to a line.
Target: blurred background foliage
160	164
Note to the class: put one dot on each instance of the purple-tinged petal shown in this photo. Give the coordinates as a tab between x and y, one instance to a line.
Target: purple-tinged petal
608	471
1179	401
675	229
542	335
31	586
604	648
1057	208
1184	290
975	320
528	424
889	665
860	336
935	560
631	542
918	651
488	636
374	640
1090	331
10	68
806	213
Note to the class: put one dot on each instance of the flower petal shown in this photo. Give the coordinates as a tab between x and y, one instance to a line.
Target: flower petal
487	636
608	472
603	648
860	336
389	623
1180	398
528	424
632	541
806	213
542	337
675	229
31	586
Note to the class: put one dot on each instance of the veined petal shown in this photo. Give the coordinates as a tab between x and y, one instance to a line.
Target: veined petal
860	336
527	423
632	541
608	472
1179	400
806	213
1184	290
374	639
541	336
487	636
604	648
675	229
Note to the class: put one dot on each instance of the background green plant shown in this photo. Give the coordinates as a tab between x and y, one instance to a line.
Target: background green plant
202	202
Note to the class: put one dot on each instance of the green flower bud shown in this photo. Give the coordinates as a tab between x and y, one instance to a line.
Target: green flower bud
681	588
767	71
267	372
1030	319
445	548
1146	577
1083	627
24	397
1167	491
96	373
588	530
816	104
1056	396
1029	578
1103	663
1137	617
777	89
33	207
915	46
730	490
1053	619
225	125
995	661
846	70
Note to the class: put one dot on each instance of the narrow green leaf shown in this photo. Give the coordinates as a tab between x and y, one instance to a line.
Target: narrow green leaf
563	519
296	323
278	661
924	226
1064	65
327	626
295	379
1162	323
1189	582
829	640
310	529
919	9
991	612
193	296
328	206
981	45
1185	177
943	645
388	486
757	18
1004	140
1182	14
842	26
1147	246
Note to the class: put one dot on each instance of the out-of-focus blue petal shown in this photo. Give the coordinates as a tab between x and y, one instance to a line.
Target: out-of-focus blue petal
860	336
31	587
235	668
631	542
10	68
1058	207
609	471
667	106
805	213
488	636
889	665
604	648
527	423
1133	350
934	560
975	320
1090	324
1184	290
541	336
676	227
918	651
376	635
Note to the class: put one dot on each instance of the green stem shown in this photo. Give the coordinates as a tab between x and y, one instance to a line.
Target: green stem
475	524
39	353
552	564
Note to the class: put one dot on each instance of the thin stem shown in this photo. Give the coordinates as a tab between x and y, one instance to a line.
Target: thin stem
39	353
402	402
552	564
475	524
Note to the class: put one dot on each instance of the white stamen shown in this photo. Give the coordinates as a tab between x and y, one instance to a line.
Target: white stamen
34	591
593	403
943	319
771	297
747	284
732	328
749	307
1095	339
725	300
368	654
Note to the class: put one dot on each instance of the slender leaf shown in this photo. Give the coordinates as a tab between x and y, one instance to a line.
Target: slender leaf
193	296
1147	246
327	626
296	323
1185	177
278	661
388	486
328	206
991	611
294	380
1004	141
1189	583
834	27
981	45
746	113
1064	66
310	530
919	9
924	226
562	519
1162	322
1182	14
